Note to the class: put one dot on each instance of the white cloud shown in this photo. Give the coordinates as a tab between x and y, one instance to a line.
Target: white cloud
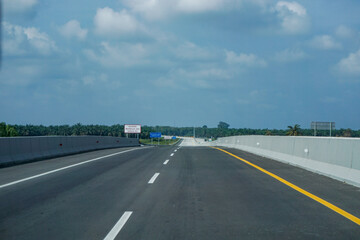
258	98
205	77
290	55
73	29
111	23
89	80
160	9
210	73
97	80
345	32
247	60
154	9
18	5
40	40
20	75
19	40
14	37
292	7
293	16
122	55
199	5
325	42
189	51
350	65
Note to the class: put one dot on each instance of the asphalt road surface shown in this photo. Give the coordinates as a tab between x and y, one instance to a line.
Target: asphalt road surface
171	193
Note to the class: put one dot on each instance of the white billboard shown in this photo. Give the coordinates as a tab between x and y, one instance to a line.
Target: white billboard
132	128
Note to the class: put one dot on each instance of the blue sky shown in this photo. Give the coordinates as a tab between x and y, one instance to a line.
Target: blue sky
250	63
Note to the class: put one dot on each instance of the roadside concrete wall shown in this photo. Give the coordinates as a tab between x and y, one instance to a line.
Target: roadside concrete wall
21	149
338	158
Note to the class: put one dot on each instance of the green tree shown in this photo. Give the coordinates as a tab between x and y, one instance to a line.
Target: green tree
76	129
268	133
293	130
223	125
2	129
7	130
11	132
348	133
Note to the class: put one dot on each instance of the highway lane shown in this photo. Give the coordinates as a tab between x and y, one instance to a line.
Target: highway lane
82	202
197	193
14	173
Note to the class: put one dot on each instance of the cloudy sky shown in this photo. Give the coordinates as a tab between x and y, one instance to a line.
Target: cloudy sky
250	63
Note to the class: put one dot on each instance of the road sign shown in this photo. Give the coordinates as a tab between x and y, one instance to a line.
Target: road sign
155	134
132	128
174	137
167	137
322	126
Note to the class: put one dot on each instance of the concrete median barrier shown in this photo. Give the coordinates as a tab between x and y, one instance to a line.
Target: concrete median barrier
338	158
14	150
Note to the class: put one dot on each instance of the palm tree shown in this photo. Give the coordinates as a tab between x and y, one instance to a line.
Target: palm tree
294	131
347	133
268	133
7	130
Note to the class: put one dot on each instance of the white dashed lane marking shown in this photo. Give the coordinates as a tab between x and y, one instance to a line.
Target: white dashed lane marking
118	226
152	180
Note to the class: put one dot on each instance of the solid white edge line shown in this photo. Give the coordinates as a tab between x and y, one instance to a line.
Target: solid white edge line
118	226
63	168
152	180
166	162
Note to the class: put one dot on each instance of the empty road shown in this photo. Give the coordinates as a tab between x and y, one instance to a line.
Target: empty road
172	192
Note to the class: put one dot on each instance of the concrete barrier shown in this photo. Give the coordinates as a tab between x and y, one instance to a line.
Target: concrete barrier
338	158
15	150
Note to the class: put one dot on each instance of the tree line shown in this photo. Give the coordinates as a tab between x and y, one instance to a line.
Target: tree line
222	130
7	130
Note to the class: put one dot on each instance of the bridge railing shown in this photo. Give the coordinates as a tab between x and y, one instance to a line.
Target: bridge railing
14	150
335	157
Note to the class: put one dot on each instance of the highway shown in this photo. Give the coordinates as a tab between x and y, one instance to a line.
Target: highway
172	192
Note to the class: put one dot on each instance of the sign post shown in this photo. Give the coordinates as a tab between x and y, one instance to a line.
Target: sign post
132	128
167	138
155	135
322	126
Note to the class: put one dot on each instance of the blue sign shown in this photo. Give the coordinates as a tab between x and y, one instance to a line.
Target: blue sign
173	137
155	134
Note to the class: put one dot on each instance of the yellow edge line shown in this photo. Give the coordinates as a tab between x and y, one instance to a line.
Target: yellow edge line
306	193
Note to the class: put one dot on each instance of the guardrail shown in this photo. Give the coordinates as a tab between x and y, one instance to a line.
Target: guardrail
14	150
335	157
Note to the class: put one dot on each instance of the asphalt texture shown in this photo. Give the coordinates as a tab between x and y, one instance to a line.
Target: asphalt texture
201	193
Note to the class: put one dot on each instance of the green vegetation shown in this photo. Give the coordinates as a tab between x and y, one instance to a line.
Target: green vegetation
223	130
294	130
7	130
161	141
268	133
223	125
